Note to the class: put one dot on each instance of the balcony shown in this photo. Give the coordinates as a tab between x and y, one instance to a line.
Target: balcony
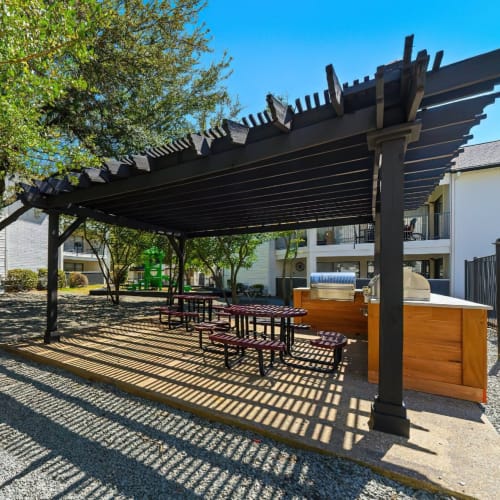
281	243
414	227
78	249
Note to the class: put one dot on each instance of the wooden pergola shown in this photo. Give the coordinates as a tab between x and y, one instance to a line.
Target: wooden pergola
355	153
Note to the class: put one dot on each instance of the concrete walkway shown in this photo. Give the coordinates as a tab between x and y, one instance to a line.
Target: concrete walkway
452	447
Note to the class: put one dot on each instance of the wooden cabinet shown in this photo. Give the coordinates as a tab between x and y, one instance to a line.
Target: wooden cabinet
444	345
444	348
341	316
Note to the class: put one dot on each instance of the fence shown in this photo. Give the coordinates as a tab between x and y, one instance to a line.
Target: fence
481	283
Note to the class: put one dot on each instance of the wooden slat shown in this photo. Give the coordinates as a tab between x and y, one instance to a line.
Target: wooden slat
13	216
333	315
237	133
444	350
117	168
437	60
417	86
475	348
379	96
335	90
281	114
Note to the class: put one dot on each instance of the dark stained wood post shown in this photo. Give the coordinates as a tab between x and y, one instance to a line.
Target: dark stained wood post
376	263
181	255
388	410
52	268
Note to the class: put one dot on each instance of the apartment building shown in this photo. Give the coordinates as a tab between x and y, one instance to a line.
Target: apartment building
23	245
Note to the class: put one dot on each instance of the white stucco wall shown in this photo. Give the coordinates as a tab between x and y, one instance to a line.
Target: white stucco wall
475	220
26	240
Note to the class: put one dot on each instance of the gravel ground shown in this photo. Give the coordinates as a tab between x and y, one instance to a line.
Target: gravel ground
65	437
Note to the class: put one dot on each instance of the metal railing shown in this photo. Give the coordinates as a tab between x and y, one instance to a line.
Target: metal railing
280	243
481	283
78	249
414	227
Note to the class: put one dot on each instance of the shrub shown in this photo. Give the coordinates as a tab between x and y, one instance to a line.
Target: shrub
19	280
43	275
78	280
42	279
61	278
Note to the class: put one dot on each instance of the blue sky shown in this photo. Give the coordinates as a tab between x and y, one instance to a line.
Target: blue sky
283	46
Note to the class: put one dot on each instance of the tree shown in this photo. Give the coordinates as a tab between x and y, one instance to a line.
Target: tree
116	249
292	240
41	41
233	253
82	81
206	253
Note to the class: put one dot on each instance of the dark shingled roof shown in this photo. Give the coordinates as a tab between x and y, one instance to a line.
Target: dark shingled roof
478	156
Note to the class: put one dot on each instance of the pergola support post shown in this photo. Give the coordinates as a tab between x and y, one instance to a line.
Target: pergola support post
388	412
376	262
181	255
52	268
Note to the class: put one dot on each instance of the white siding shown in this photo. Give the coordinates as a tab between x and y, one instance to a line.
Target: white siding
260	272
476	221
26	240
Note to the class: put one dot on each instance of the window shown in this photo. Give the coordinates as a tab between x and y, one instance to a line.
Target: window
419	266
71	267
336	267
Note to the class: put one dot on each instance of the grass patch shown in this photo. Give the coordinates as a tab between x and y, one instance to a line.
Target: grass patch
84	290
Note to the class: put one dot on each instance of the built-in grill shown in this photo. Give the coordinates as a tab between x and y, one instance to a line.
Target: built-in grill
415	286
333	286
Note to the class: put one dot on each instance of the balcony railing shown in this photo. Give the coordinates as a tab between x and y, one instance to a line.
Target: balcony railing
78	249
280	243
414	228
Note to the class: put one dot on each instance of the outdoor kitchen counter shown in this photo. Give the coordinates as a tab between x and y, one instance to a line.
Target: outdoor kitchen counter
442	301
444	347
344	316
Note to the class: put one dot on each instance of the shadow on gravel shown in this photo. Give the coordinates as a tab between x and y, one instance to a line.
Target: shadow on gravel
23	315
107	445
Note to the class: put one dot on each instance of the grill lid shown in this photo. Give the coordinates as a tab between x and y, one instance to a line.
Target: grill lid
342	278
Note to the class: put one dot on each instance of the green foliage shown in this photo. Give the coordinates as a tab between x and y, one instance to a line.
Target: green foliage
43	275
61	279
42	41
20	280
85	80
123	247
228	252
78	280
42	279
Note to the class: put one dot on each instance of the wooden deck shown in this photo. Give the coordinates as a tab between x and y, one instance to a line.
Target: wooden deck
326	413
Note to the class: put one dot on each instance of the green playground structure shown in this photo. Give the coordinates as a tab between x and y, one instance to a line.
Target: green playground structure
152	261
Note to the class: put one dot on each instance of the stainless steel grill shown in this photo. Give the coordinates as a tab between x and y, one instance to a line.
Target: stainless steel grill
333	286
415	286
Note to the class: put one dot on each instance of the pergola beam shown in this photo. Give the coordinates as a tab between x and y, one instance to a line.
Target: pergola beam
70	230
335	90
281	114
331	130
14	216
